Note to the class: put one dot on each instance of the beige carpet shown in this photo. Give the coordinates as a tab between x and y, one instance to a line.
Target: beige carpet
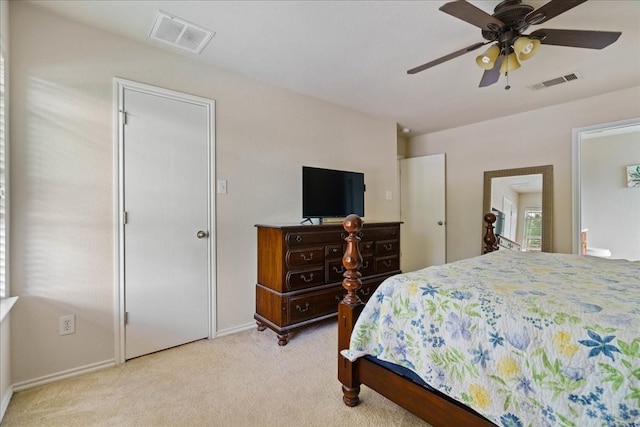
244	379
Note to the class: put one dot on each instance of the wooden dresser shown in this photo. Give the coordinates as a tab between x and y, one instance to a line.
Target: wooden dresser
300	271
508	244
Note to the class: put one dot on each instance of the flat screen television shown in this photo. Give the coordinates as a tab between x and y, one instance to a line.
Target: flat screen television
328	193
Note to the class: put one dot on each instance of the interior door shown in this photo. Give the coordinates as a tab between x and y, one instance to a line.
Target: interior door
166	237
510	218
422	211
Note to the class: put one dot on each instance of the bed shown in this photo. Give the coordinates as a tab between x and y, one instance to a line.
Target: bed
506	338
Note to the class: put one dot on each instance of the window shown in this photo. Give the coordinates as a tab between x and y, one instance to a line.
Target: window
532	229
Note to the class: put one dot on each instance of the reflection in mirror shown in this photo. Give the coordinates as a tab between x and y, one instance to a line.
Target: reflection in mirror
522	201
606	220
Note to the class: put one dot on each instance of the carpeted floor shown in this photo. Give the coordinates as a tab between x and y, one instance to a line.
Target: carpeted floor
244	379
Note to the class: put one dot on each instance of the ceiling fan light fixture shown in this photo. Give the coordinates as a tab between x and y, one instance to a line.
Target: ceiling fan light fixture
487	60
509	63
525	47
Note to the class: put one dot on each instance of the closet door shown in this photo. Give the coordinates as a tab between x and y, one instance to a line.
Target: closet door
422	211
166	236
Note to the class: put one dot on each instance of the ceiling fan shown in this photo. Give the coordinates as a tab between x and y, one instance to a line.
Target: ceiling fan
505	28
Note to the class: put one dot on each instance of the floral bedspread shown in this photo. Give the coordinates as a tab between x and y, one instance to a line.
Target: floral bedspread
525	339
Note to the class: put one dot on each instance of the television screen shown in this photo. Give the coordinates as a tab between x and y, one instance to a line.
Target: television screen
331	193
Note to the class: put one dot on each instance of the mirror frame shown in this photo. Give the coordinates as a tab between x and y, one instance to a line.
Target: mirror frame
547	197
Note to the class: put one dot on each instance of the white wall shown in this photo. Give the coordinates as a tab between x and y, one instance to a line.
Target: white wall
535	138
610	209
63	175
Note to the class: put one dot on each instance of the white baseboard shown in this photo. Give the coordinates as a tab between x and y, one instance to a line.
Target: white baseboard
4	403
235	330
23	385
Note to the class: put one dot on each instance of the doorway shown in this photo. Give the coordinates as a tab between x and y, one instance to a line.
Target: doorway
165	214
605	206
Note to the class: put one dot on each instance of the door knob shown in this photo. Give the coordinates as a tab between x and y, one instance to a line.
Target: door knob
202	234
440	223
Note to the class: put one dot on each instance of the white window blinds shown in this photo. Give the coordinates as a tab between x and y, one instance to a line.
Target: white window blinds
3	204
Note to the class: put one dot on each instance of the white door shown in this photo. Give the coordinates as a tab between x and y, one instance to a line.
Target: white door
422	211
510	219
166	197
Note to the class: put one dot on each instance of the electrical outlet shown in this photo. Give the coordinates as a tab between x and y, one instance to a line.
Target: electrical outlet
67	324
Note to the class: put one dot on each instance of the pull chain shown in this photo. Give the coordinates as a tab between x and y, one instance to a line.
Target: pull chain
506	74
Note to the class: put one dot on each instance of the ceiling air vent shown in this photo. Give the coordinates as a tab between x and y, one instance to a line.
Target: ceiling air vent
556	81
180	33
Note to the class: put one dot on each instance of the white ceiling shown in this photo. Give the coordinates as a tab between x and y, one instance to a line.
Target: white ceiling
356	53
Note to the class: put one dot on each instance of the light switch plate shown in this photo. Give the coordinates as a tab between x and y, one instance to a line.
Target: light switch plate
222	186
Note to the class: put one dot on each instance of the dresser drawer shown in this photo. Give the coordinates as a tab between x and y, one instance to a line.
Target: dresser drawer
369	287
334	251
368	266
366	290
307	256
381	233
313	237
387	247
387	264
309	306
335	269
301	279
366	248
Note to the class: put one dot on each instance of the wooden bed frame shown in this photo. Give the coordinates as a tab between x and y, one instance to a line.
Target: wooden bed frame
431	405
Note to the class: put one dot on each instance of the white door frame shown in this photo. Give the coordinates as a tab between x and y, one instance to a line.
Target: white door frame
576	145
119	85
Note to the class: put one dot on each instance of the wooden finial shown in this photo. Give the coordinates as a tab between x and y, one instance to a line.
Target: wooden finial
490	240
352	259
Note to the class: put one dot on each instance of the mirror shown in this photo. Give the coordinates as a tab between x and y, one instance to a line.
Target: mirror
522	200
605	203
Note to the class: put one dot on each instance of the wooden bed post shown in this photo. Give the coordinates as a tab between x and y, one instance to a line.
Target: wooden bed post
490	240
426	403
349	309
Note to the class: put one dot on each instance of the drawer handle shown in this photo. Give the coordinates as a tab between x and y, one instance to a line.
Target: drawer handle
343	236
360	234
304	278
388	247
298	238
365	265
304	257
365	291
339	299
341	270
387	263
302	310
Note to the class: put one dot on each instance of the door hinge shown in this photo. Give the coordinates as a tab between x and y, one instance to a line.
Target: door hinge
126	318
125	217
123	117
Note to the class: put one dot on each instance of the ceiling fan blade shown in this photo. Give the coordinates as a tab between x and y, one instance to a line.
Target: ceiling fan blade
446	58
576	38
551	10
471	14
491	76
